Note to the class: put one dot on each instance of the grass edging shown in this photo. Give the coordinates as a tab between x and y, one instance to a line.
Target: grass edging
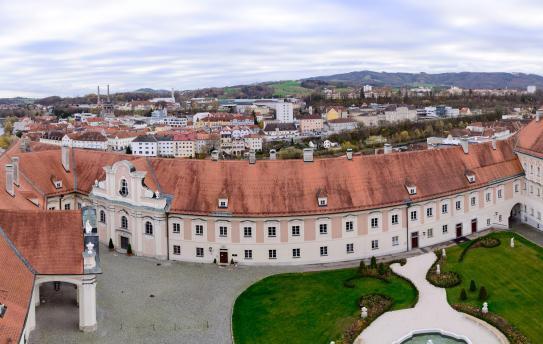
480	242
446	279
511	332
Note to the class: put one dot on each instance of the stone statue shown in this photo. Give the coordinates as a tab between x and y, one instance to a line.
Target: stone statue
443	253
485	308
438	269
90	247
512	242
88	227
363	312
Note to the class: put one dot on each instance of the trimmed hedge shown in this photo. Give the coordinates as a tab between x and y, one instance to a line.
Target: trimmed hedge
511	332
376	304
446	279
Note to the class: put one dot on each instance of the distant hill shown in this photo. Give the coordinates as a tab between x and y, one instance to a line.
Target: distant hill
16	101
463	79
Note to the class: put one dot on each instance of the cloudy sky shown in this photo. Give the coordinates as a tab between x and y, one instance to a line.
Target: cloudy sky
67	47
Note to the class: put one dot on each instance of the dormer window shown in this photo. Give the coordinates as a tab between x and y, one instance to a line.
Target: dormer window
3	309
411	188
223	202
123	191
322	198
58	184
470	176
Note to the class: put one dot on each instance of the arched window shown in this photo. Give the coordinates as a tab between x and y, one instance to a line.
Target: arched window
124	188
102	216
148	228
124	222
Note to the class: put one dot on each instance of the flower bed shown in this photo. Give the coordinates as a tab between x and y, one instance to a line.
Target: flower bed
514	335
446	279
376	304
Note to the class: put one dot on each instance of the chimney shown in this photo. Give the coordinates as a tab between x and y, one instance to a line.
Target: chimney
308	154
349	154
494	143
387	149
65	157
465	145
215	155
15	163
9	180
273	154
252	157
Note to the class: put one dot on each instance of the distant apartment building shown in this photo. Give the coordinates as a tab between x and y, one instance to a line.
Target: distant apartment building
284	112
86	140
309	124
342	124
144	145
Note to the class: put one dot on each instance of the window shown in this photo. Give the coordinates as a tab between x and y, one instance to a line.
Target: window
375	244
148	228
487	196
248	254
272	254
349	226
395	240
429	212
247	232
67	206
531	189
349	248
445	229
124	188
79	205
473	201
430	232
413	215
444	209
500	218
272	232
516	187
323	228
199	252
295	230
176	228
458	205
324	250
531	211
223	203
223	231
488	222
395	219
323	201
374	222
296	253
124	222
539	215
102	216
199	230
500	193
176	250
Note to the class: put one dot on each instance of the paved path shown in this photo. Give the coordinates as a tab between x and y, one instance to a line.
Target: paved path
530	233
431	312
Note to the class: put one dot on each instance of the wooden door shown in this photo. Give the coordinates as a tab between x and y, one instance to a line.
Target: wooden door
124	243
223	255
474	225
459	230
414	240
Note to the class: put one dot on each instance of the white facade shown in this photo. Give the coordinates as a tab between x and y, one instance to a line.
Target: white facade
284	112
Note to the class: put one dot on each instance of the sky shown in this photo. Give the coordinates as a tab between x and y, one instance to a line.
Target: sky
67	47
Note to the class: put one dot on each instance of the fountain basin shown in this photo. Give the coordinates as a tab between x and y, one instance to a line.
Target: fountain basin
432	336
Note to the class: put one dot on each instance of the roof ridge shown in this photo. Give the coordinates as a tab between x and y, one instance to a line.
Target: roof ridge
153	174
17	253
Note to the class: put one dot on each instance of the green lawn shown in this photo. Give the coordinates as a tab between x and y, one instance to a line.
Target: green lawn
513	278
289	88
311	307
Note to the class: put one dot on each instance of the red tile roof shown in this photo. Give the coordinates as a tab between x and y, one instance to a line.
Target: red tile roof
16	284
530	139
51	241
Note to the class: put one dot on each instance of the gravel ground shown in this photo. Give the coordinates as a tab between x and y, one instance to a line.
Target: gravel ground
191	303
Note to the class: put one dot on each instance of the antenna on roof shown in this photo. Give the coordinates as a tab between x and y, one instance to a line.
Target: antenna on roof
108	93
98	95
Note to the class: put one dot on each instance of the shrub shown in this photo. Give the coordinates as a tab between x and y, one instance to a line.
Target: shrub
463	295
472	286
483	295
373	263
489	242
129	250
376	304
362	267
381	269
111	247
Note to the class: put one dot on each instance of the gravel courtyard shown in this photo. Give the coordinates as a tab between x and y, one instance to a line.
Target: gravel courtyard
140	301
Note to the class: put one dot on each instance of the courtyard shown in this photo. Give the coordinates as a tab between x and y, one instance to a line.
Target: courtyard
144	300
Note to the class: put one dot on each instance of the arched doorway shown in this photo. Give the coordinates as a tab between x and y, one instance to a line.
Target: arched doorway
515	216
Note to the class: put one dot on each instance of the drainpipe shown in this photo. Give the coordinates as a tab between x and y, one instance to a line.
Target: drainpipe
408	203
167	237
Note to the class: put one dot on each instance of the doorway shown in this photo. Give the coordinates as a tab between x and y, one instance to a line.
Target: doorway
124	243
223	257
414	240
458	230
474	225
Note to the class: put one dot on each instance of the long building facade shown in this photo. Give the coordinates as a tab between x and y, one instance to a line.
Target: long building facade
290	211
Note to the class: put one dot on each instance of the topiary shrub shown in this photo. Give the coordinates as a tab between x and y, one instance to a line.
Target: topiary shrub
129	250
362	268
111	247
483	295
381	269
463	295
472	286
373	262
